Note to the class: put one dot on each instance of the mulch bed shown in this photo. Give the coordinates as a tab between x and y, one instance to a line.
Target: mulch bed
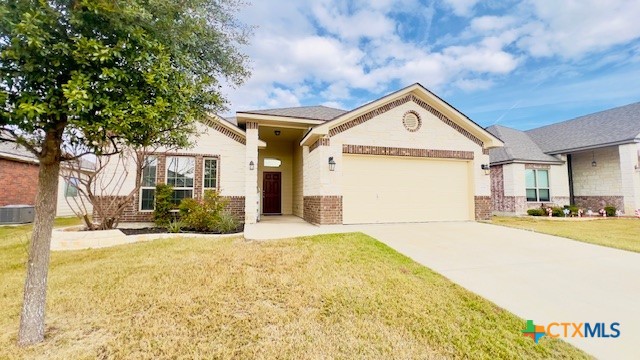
160	230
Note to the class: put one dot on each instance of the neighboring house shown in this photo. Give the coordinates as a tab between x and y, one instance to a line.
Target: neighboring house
591	161
19	179
406	157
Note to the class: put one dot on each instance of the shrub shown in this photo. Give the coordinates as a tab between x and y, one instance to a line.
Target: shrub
162	215
557	212
536	212
202	215
611	210
226	223
574	209
175	226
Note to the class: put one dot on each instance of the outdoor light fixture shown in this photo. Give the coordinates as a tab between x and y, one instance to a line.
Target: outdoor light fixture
277	132
251	165
332	164
486	168
593	163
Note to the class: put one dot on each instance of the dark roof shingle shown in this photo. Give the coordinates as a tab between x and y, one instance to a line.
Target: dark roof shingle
322	113
518	146
609	127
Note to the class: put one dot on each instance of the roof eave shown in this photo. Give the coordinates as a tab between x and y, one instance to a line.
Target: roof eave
525	161
242	118
593	147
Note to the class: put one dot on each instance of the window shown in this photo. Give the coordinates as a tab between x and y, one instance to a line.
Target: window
210	174
180	174
71	189
271	162
537	182
148	188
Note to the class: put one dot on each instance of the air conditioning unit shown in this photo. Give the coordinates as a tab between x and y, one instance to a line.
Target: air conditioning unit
16	214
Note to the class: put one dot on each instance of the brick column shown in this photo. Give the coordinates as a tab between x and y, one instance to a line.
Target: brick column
251	176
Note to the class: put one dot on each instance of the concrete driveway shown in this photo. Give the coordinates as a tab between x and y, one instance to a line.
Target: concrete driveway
535	276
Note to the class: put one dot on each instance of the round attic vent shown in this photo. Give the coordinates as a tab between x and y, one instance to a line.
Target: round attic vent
411	121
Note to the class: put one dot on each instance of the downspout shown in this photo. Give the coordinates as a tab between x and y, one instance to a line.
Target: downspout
570	170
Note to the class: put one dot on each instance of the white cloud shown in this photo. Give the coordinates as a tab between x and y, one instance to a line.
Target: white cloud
462	7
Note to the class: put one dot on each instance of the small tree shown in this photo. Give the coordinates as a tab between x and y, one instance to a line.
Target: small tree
164	205
103	188
95	76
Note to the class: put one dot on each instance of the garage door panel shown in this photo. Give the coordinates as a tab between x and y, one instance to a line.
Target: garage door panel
400	189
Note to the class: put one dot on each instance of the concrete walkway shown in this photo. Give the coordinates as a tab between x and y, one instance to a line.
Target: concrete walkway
535	276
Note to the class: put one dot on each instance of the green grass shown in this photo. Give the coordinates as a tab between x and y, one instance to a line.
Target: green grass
325	297
619	233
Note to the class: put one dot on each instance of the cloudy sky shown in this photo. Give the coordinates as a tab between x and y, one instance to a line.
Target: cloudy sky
515	63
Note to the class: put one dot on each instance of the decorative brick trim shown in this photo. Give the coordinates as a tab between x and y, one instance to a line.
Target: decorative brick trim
485	151
319	142
323	210
393	104
483	207
251	125
415	113
215	125
537	166
394	151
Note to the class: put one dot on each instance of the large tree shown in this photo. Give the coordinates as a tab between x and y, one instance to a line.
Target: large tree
93	76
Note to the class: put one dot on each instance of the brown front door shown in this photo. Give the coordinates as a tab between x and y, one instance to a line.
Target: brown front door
271	190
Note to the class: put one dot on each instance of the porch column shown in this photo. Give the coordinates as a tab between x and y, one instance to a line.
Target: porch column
630	176
251	176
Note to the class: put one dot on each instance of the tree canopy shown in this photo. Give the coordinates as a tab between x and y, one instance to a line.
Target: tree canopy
114	72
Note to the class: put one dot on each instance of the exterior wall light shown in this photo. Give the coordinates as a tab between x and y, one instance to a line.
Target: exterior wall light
593	157
251	165
332	164
486	168
277	132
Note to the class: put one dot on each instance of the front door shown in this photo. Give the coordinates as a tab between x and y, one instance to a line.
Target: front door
271	193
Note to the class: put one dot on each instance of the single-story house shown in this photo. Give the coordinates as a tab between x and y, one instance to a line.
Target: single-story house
19	180
406	157
591	161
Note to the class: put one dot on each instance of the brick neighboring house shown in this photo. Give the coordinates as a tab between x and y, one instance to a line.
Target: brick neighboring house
19	179
591	161
406	157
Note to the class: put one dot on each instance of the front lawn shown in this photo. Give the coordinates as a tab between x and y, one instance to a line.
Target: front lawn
331	296
619	233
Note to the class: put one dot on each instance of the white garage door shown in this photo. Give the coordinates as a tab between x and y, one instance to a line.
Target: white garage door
387	189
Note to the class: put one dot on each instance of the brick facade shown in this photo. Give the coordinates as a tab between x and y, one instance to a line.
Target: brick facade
596	203
323	210
395	151
497	188
320	142
483	207
19	182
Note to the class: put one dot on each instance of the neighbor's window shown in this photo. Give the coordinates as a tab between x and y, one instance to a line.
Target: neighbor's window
271	162
537	182
210	174
148	188
180	174
72	187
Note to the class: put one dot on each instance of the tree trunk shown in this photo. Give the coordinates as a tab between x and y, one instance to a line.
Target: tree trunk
35	286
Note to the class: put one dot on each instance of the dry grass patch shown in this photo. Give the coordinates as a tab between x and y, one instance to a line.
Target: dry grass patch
333	296
619	233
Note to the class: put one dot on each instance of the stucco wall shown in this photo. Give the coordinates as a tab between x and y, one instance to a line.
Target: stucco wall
298	180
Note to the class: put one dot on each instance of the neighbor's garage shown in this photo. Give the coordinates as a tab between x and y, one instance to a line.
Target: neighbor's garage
393	189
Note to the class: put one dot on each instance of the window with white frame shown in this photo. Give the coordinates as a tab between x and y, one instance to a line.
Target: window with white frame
537	183
71	189
180	175
149	179
210	174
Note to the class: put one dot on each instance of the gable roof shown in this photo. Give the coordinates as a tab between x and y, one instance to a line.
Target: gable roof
518	147
419	93
319	112
606	128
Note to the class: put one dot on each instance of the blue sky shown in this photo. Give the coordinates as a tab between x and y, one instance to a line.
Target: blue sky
521	64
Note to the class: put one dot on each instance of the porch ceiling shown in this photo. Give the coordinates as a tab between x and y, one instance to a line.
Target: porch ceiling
267	134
